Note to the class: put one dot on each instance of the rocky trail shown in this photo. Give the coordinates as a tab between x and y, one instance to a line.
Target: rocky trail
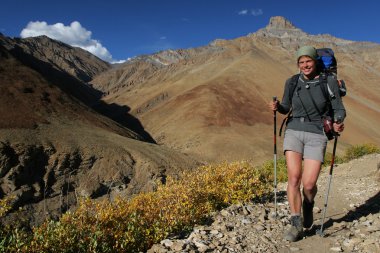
352	222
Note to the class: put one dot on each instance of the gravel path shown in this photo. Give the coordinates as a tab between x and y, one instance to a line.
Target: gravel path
352	222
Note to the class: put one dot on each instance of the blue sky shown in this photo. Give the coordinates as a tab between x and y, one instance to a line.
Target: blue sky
120	29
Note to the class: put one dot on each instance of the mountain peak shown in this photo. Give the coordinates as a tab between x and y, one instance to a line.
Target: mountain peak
279	22
280	27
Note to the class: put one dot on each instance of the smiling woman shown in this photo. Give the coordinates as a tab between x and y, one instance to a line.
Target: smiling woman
307	61
305	140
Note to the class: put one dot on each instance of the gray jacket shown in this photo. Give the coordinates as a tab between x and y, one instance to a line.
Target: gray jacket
305	115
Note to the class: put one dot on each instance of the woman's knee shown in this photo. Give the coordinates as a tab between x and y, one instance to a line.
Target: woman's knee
309	186
294	182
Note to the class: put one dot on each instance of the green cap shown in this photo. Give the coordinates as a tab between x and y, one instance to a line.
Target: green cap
307	51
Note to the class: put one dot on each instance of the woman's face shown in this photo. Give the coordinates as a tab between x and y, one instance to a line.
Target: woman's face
307	66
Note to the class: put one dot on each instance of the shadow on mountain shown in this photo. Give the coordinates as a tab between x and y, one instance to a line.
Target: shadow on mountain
63	80
121	115
82	92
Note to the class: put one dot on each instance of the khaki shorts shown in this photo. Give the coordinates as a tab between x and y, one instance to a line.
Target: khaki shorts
310	145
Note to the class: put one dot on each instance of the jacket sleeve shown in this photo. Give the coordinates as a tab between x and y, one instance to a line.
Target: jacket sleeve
336	100
286	104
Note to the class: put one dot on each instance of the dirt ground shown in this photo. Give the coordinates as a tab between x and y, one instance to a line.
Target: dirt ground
354	194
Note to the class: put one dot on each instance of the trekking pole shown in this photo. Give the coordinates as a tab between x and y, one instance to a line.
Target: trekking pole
320	232
275	159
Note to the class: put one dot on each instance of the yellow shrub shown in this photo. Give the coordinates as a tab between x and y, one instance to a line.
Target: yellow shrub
5	205
135	224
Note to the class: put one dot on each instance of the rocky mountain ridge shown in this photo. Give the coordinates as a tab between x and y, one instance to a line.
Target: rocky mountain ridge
73	60
205	100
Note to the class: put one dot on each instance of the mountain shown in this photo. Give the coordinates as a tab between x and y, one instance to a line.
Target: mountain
73	60
70	68
210	101
54	148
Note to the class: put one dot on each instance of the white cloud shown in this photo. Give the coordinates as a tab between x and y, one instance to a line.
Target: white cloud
163	38
257	12
243	12
253	12
121	61
74	35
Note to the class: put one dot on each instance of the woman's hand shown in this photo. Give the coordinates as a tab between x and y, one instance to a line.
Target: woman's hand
338	127
273	105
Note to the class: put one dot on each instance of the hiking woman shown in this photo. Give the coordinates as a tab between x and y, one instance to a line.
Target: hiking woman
305	139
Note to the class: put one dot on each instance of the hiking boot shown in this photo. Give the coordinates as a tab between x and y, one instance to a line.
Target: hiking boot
296	231
307	210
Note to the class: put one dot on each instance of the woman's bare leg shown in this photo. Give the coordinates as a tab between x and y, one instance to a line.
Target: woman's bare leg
294	168
310	175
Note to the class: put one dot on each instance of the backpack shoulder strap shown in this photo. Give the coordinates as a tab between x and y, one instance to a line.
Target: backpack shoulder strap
326	90
292	87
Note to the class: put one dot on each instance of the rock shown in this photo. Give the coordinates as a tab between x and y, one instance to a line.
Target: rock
225	213
178	245
202	247
214	232
339	225
246	221
246	211
167	243
336	249
259	227
263	217
157	249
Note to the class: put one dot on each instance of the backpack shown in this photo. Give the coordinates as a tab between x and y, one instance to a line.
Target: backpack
327	65
326	60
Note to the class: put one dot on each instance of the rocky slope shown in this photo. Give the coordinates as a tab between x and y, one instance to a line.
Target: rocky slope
72	60
54	149
352	221
211	101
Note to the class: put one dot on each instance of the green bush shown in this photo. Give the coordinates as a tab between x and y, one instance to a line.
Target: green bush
328	158
360	150
268	169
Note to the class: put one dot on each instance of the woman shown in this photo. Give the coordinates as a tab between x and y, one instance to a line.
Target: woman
304	136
